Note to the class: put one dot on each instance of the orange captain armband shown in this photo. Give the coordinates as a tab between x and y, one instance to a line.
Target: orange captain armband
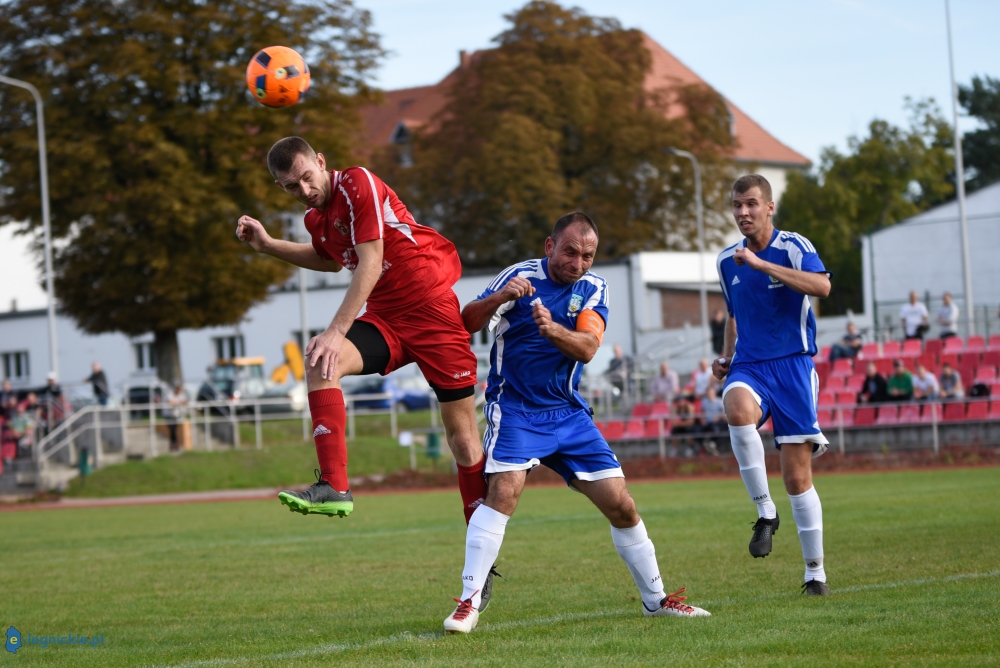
590	321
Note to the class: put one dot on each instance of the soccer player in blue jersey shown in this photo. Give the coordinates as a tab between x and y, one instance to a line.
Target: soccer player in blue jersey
549	315
767	280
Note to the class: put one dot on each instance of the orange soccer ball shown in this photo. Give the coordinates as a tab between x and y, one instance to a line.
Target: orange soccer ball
277	76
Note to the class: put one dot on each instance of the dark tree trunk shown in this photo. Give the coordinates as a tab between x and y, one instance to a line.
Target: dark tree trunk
168	357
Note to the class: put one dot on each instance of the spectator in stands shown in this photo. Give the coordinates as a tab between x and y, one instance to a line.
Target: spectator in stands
874	390
53	405
947	317
915	318
684	420
848	346
22	429
665	386
177	400
925	385
951	383
718	327
6	394
99	383
620	369
900	384
714	412
701	379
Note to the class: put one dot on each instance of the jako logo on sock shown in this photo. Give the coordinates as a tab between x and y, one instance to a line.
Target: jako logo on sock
320	430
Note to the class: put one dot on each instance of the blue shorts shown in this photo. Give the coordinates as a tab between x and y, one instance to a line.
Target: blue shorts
786	389
565	440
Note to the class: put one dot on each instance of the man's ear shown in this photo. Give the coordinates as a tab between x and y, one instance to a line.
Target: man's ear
321	161
550	246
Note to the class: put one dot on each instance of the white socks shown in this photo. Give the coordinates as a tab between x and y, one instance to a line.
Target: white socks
482	545
808	514
638	553
749	451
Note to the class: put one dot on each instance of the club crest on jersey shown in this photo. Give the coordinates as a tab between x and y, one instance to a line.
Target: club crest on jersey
341	227
775	283
575	302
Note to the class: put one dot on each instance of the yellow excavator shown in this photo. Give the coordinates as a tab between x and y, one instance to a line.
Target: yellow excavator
294	365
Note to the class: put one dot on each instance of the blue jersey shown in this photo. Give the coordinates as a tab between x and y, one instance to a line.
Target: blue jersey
527	372
772	320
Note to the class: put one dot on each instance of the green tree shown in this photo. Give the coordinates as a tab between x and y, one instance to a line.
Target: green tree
156	147
557	118
886	176
981	148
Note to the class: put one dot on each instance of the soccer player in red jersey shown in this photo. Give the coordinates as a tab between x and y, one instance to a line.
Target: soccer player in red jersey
404	271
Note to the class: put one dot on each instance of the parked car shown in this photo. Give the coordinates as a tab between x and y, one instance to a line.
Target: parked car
411	392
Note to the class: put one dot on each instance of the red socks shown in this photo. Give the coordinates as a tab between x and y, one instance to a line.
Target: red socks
329	416
472	487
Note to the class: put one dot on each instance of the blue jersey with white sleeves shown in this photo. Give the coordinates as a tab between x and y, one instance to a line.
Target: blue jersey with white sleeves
772	320
527	372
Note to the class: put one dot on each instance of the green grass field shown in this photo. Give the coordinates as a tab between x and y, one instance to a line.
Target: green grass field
285	460
912	559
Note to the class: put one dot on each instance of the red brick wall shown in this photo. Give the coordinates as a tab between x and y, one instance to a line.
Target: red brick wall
680	306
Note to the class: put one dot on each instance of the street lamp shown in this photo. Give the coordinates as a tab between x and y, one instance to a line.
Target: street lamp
46	227
702	289
963	224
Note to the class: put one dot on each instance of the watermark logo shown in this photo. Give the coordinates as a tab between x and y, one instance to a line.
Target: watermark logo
13	640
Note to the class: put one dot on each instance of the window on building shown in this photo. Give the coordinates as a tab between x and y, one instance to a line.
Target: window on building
228	347
297	335
484	335
145	355
15	366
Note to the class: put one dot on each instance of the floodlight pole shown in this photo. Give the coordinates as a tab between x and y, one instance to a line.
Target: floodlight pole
46	224
702	289
963	224
304	317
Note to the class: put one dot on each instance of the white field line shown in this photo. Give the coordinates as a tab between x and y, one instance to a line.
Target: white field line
407	637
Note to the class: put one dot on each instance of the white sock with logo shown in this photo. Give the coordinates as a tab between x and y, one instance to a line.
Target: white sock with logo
482	545
808	514
638	553
749	451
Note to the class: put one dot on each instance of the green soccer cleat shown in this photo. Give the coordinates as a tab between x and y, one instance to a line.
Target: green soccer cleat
320	499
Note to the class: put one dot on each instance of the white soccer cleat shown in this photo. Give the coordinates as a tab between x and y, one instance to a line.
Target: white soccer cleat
464	619
673	606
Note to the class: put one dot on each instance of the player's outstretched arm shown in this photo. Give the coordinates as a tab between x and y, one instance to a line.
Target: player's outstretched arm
578	345
477	314
300	255
814	284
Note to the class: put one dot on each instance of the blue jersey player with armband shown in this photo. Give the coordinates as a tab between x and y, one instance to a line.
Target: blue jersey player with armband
767	280
549	316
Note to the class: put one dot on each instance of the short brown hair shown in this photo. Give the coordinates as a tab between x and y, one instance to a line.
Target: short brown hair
748	181
283	154
571	218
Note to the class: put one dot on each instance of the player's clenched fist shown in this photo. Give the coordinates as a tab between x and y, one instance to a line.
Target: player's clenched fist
516	288
747	257
720	367
252	232
543	318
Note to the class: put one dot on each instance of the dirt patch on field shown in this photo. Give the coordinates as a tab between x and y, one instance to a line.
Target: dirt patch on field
723	466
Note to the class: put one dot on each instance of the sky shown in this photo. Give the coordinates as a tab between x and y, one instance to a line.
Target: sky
811	73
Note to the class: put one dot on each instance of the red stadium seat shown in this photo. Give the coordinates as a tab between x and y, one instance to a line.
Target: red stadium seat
855	383
600	427
909	414
848	414
949	358
967	370
884	366
927	415
991	357
969	359
825	418
978	410
767	427
835	383
824	353
823	369
986	374
847	398
994	410
929	360
887	415
911	348
870	351
890	349
864	416
910	363
953	344
827	399
995	342
975	344
954	411
634	429
614	430
641	410
933	347
842	367
660	409
653	428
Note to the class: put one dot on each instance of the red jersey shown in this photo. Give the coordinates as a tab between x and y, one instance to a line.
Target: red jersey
418	264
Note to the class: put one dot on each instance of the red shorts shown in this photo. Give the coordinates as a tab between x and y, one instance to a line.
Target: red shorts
434	337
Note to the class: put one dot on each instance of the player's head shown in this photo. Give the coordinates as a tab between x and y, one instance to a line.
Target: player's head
300	171
571	247
752	204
